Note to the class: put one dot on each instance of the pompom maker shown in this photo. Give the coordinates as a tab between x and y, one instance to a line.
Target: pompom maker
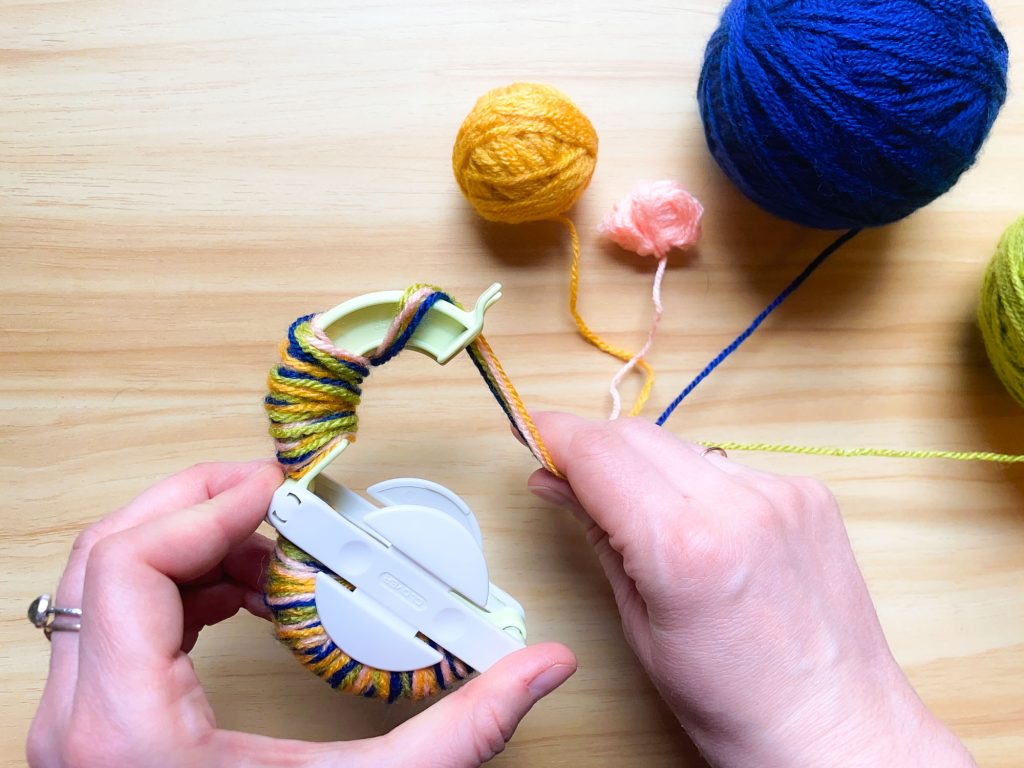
416	562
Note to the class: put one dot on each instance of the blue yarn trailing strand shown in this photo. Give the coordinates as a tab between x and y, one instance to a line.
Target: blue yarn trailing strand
775	304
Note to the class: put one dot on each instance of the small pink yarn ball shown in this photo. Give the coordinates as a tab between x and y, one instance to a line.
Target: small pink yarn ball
654	218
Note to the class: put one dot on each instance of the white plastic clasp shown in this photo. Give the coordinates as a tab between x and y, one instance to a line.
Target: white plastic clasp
417	566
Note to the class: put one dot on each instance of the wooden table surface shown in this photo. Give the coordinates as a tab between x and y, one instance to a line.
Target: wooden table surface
179	181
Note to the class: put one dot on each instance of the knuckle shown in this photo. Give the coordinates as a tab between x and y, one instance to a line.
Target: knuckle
87	539
786	496
757	507
633	426
702	544
694	561
197	474
595	443
107	554
199	469
816	492
38	746
83	750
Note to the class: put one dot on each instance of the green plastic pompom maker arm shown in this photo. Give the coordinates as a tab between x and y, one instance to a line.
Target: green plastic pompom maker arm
417	562
359	325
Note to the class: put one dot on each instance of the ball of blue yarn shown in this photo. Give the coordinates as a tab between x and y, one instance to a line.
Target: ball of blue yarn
850	113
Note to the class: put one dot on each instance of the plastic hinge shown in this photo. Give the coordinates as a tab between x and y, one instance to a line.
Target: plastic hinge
416	564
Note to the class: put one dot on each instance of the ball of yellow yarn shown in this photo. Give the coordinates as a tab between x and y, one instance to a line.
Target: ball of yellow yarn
524	153
1001	311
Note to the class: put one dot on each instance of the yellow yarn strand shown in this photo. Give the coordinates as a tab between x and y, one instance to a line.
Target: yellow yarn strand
890	453
589	335
519	407
524	153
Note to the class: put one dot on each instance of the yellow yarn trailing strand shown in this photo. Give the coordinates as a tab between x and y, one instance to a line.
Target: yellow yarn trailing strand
1001	310
525	153
891	453
593	338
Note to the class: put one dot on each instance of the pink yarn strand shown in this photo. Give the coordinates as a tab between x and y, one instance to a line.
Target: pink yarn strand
659	275
521	425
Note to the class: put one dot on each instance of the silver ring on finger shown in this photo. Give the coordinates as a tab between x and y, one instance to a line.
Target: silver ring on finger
714	449
51	618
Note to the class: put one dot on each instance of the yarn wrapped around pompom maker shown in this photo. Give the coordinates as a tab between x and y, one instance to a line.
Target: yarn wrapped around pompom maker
401	590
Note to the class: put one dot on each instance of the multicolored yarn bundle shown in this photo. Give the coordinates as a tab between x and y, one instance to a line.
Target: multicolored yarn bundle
316	388
314	394
291	597
1001	310
524	153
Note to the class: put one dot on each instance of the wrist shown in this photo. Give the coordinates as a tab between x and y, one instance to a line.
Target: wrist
856	726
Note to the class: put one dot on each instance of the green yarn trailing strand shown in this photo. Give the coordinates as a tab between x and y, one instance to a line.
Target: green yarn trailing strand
1001	310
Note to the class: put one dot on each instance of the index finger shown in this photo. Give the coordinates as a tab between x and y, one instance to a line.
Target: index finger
620	484
131	607
193	486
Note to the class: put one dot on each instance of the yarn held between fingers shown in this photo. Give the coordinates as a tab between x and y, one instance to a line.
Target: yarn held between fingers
314	394
316	388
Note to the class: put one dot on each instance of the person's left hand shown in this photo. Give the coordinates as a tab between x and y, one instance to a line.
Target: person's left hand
185	555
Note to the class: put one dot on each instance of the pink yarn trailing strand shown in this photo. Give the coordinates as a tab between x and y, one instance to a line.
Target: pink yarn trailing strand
653	219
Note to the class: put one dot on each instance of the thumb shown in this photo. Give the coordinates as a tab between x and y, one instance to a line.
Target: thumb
473	724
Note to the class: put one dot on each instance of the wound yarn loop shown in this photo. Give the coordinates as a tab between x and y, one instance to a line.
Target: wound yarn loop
850	114
526	152
316	388
312	405
1001	310
291	598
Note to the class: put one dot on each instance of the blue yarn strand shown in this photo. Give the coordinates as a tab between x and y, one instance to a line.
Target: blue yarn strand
414	322
722	356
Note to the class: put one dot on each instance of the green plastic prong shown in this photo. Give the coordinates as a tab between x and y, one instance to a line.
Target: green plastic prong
361	323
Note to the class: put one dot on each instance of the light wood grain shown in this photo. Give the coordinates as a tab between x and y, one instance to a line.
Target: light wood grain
180	180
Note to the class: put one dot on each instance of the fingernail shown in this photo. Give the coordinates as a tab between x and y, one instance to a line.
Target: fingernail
551	495
516	434
549	679
267	467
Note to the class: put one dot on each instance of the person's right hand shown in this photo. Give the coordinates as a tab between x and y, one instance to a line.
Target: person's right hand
741	597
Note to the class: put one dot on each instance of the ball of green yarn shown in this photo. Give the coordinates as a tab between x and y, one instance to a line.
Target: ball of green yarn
1001	311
